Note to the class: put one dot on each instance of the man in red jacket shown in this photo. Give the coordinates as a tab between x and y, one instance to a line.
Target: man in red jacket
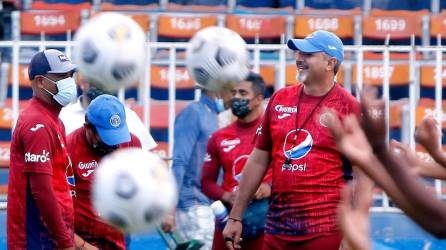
104	131
229	148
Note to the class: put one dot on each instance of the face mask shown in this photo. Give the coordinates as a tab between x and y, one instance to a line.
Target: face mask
240	107
66	91
93	92
102	149
220	105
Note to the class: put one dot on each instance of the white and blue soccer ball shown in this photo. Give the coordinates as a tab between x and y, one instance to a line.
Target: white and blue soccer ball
110	51
217	56
133	190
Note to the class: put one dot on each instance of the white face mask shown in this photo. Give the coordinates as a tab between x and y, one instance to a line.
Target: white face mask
66	91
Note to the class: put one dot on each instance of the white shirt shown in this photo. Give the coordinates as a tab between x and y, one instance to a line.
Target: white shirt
73	117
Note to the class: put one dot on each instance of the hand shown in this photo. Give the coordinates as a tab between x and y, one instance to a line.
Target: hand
428	135
410	156
350	138
229	197
168	224
88	246
264	191
373	121
232	233
354	220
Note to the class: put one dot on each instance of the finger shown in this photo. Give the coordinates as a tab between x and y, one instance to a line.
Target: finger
351	123
334	124
237	240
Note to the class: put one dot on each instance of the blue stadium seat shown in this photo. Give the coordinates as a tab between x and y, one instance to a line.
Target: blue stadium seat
131	2
200	2
324	4
402	4
259	3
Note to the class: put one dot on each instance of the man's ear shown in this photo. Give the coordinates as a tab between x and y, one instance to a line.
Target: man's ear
331	64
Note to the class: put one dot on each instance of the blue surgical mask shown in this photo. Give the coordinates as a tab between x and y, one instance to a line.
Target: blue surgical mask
220	105
66	91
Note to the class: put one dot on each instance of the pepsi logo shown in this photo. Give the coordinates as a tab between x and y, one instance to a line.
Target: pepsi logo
238	165
302	146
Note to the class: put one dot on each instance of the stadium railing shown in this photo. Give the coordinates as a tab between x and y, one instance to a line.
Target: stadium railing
412	74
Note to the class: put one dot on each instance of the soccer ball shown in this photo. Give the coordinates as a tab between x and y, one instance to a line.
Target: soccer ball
217	56
133	190
110	51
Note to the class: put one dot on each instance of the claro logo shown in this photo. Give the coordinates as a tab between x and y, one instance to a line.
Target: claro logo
43	157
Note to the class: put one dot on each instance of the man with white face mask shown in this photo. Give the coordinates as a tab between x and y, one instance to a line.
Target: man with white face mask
41	181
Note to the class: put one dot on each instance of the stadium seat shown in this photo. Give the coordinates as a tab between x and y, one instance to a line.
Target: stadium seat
25	91
426	108
437	26
159	117
197	6
341	24
400	25
268	28
67	5
268	73
49	25
401	4
181	27
427	81
324	4
113	5
143	20
4	154
185	86
373	74
49	22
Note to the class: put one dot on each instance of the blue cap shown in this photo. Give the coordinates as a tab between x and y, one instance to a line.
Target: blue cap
107	114
49	61
319	41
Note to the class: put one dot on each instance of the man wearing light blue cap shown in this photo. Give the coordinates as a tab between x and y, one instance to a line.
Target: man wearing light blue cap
293	140
105	130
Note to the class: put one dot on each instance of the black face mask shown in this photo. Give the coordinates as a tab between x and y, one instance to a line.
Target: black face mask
240	107
102	149
93	92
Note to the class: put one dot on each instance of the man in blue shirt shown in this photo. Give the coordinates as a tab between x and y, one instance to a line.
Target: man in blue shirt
193	127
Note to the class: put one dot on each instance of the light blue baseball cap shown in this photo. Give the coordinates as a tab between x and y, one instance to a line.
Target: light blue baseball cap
320	41
107	114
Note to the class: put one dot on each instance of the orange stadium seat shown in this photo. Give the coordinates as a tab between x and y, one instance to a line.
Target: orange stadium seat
426	108
341	25
4	154
268	73
23	76
427	81
182	26
143	20
160	77
159	112
438	25
185	86
373	74
49	22
400	25
261	26
428	76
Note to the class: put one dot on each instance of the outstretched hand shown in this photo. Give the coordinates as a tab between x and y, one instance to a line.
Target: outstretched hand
350	138
373	121
428	135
